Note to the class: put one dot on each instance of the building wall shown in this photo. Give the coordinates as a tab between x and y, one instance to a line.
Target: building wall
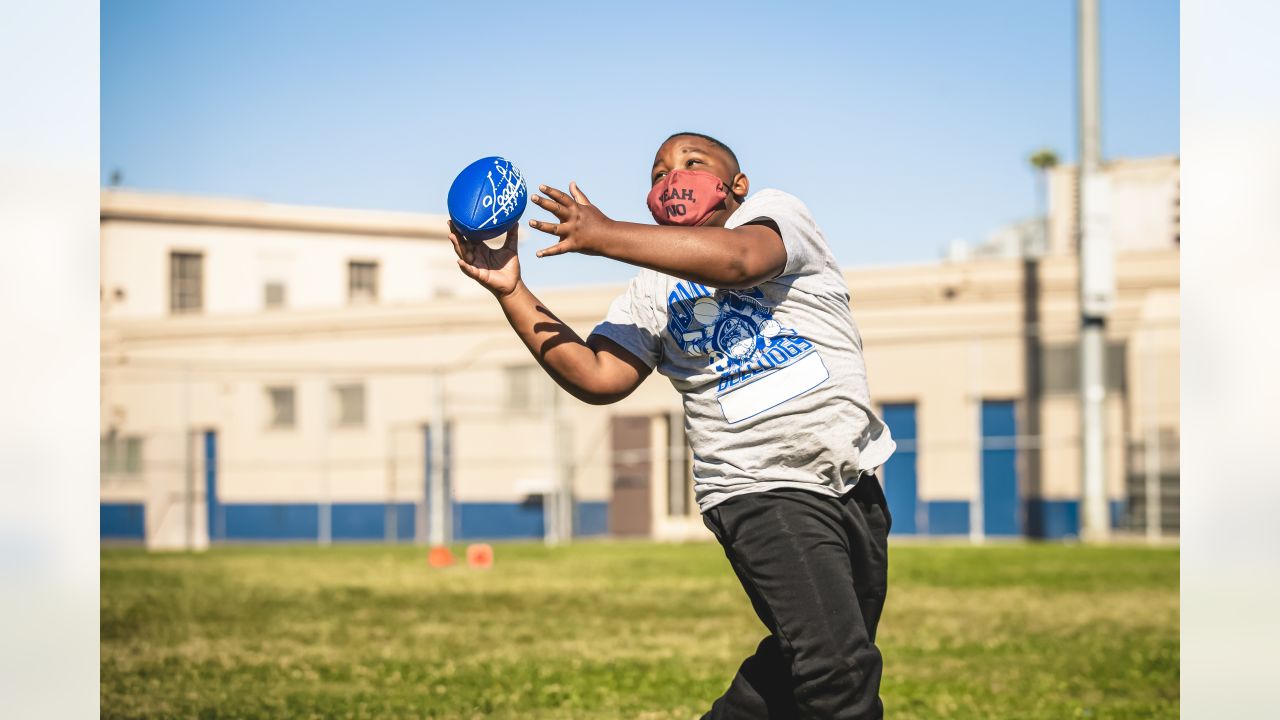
1145	202
246	245
945	337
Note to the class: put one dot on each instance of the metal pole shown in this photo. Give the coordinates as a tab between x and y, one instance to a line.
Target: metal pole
437	534
1151	452
565	469
977	522
189	462
557	510
420	505
1093	461
1092	248
391	530
325	529
551	500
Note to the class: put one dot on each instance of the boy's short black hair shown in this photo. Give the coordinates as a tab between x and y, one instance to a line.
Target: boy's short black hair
710	139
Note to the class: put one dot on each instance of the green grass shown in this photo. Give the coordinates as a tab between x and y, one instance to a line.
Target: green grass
616	630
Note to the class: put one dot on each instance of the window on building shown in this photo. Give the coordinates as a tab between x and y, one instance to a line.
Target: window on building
121	455
273	295
107	454
526	390
362	282
350	404
132	455
186	282
282	406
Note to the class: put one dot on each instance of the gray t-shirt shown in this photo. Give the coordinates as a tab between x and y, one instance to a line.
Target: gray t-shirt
773	381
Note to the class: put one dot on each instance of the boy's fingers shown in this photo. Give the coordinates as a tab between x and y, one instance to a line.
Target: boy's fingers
466	251
577	193
469	270
550	206
559	248
546	227
557	195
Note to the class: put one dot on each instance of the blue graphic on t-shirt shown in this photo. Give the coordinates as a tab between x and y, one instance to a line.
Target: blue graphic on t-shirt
733	329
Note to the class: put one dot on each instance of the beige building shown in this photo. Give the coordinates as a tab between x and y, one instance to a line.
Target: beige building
1145	193
240	419
1144	197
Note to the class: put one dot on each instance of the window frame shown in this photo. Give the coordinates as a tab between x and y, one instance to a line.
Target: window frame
340	417
175	255
266	295
362	298
533	384
272	409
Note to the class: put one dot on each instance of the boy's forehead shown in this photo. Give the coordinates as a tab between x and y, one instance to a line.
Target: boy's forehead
682	144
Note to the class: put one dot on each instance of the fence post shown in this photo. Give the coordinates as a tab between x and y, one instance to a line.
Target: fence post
1151	452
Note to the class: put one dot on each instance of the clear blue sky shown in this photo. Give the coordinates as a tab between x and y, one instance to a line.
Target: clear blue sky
903	125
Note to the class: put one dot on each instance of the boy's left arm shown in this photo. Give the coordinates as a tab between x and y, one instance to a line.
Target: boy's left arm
713	256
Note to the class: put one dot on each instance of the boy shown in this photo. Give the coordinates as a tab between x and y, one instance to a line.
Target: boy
741	304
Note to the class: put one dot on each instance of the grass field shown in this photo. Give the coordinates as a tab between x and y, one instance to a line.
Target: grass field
616	630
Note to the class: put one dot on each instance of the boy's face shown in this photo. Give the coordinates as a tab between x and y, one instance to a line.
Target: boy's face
688	152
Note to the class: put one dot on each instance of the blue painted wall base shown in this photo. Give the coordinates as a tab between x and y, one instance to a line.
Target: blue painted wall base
122	521
248	522
593	518
1045	519
1051	519
947	517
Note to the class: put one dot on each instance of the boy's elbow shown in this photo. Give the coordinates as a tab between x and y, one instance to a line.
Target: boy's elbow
742	274
597	396
752	265
602	399
735	275
753	259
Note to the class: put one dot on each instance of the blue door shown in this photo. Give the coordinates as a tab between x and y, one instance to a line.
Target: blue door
1000	502
900	471
215	524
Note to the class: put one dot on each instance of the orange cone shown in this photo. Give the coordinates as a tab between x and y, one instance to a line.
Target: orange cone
480	556
440	556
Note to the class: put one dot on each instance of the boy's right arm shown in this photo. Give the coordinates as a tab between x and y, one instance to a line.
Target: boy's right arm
597	371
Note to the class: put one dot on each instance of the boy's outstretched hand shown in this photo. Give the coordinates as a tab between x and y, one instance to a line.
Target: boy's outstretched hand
497	270
580	221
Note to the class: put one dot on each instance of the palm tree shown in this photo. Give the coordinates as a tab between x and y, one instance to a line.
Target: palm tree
1043	160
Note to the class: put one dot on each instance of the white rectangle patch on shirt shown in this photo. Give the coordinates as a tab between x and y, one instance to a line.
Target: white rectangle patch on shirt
774	389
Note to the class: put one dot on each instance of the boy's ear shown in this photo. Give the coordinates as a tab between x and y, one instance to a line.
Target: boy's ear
741	186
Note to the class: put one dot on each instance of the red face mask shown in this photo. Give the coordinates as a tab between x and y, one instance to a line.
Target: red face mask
686	197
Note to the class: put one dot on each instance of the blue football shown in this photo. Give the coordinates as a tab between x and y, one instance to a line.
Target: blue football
487	198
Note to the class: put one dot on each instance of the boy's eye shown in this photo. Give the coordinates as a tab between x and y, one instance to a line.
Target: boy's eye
658	177
692	161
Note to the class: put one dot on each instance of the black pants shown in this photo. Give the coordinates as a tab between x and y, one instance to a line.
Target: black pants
815	568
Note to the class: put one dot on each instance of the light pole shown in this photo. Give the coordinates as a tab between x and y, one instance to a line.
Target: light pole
1096	283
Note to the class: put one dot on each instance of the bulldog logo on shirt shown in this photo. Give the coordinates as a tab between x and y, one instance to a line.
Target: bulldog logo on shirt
734	330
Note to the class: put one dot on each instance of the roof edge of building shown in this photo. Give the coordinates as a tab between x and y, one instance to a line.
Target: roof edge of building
142	206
